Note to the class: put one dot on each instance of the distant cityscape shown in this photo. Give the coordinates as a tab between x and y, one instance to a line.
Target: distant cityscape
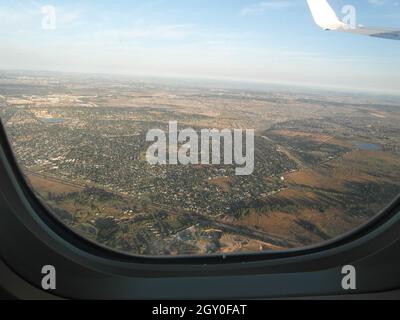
324	163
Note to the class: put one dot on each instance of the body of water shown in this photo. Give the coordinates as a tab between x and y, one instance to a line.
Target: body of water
362	145
53	120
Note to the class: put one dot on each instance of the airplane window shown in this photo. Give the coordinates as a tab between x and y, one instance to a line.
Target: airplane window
168	128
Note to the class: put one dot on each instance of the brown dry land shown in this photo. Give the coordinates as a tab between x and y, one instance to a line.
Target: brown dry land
223	182
318	138
309	222
235	243
47	184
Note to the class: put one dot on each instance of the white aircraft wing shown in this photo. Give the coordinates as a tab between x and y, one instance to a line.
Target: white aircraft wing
325	17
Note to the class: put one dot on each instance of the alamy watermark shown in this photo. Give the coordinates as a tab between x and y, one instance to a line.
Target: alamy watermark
49	19
49	277
349	281
191	147
349	16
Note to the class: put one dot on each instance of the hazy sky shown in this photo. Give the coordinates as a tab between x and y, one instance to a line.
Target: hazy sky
273	41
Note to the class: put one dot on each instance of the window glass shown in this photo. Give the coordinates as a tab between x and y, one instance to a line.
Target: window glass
204	127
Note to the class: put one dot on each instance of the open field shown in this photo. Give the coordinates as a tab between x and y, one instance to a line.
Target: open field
327	201
43	184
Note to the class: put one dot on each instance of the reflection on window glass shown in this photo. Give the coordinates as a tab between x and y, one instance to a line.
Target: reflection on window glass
191	127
